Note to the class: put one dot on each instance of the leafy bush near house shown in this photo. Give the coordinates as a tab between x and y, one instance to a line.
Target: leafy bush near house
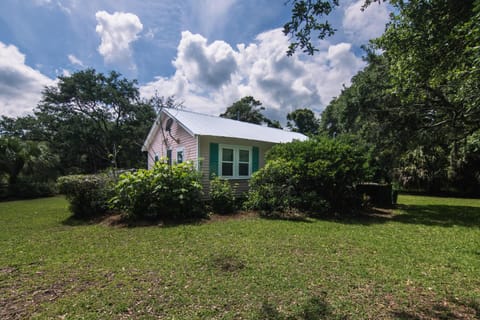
315	176
164	192
88	194
222	196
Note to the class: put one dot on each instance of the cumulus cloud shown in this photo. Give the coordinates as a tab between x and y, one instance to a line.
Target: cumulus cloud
75	60
210	77
207	65
20	85
117	31
361	26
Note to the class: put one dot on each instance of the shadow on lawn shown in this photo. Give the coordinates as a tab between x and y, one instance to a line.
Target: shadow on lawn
447	309
431	215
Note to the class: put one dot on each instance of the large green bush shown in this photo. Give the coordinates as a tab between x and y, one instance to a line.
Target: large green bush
164	192
222	196
88	194
316	176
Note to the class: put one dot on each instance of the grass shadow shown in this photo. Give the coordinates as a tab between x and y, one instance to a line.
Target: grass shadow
448	309
315	308
430	215
439	215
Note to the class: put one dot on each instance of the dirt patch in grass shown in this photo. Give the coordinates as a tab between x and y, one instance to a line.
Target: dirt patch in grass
423	304
17	302
117	220
239	215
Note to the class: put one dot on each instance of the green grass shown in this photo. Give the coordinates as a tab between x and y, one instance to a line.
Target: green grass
423	262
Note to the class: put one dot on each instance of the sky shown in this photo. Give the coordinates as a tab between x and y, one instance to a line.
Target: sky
207	53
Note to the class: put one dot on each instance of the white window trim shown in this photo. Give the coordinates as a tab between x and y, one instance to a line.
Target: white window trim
236	158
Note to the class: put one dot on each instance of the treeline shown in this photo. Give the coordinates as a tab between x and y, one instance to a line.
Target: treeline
86	123
417	104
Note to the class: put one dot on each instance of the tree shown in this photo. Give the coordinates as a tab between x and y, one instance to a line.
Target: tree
94	121
431	64
304	121
248	109
309	19
27	157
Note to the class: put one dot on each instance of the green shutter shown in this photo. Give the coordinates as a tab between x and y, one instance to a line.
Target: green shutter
254	159
213	159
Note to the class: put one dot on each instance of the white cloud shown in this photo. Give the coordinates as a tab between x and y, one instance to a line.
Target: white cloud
20	85
117	31
75	60
210	77
361	26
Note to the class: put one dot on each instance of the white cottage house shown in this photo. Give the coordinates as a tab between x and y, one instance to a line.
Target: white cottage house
226	148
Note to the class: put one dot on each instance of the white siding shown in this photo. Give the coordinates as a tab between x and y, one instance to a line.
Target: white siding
242	184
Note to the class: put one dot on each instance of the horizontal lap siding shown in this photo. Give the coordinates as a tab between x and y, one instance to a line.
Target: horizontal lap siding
204	156
164	141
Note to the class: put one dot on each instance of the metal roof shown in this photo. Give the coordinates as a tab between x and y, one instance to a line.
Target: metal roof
198	124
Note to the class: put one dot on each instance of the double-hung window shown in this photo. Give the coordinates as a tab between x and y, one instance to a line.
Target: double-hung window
235	162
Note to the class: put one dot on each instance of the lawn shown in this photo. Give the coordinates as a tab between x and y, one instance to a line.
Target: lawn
422	262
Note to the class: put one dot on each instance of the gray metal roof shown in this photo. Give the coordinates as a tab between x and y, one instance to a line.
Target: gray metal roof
198	124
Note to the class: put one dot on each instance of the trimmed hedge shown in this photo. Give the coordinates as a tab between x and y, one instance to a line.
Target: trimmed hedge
88	194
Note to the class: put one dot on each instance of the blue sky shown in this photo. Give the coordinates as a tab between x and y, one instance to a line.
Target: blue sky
208	53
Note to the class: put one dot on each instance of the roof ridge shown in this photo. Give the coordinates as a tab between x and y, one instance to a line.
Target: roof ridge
218	117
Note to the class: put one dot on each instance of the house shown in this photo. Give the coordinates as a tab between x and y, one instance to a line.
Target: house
223	147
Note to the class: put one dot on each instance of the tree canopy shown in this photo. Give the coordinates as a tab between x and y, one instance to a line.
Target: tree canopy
417	102
94	120
247	109
303	121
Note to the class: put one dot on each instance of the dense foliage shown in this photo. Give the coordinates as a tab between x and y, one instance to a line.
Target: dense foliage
27	169
222	196
316	176
88	194
417	103
90	120
164	192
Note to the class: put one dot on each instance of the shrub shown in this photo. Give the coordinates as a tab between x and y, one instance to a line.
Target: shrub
164	192
273	189
222	196
88	194
315	176
29	188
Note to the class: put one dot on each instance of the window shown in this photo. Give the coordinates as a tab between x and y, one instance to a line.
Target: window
227	162
169	157
179	155
235	161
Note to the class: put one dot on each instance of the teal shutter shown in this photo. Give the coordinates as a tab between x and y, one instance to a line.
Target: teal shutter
255	155
213	159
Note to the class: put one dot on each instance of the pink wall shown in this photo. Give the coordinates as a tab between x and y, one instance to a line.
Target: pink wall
163	141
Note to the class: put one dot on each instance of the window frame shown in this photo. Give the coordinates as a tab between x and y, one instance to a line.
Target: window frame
236	161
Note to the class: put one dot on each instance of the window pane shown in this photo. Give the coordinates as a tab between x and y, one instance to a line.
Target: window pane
169	157
244	156
179	156
227	169
227	154
243	169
